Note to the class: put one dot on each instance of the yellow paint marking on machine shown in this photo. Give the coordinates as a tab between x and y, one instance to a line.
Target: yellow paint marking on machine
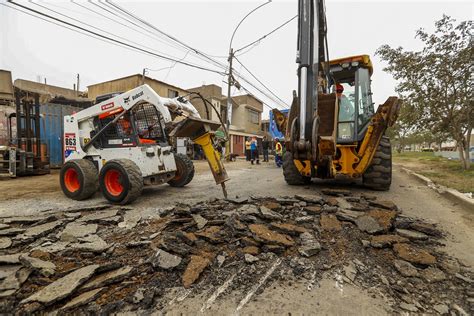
303	166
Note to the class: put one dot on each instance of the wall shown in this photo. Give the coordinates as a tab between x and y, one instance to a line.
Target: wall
46	91
6	86
211	92
131	82
240	113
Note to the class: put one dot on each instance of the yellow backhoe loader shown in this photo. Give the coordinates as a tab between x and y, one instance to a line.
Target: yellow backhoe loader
332	128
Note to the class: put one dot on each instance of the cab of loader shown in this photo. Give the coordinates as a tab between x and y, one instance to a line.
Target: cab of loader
142	125
350	80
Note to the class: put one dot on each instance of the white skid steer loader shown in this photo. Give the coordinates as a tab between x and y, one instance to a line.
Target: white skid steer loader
121	144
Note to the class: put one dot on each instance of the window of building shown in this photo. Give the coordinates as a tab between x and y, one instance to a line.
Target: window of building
172	93
253	116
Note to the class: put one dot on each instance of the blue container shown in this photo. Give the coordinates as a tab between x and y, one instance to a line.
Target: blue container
53	130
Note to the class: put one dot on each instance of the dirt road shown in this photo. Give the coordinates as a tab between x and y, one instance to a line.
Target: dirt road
33	195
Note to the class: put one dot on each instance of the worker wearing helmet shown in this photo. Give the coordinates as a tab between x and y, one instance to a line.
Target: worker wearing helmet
346	108
278	153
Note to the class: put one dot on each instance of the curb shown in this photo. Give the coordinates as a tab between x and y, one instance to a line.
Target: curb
451	194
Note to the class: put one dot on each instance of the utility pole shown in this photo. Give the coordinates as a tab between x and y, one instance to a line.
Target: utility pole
77	84
230	79
143	76
229	103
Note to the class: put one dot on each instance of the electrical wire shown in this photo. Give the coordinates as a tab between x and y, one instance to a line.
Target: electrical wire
172	66
269	33
259	81
105	6
196	51
99	29
117	7
118	43
112	39
66	27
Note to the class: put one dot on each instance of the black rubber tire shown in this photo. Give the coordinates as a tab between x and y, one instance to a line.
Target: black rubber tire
131	180
378	175
184	171
87	176
290	172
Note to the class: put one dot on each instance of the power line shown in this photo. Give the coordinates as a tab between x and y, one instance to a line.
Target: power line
259	81
66	27
269	33
99	29
112	39
126	45
104	6
117	7
268	106
196	51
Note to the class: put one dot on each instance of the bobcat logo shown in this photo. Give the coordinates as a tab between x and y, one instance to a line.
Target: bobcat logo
126	100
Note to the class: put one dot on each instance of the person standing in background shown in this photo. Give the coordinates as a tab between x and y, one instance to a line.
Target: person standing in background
265	147
247	148
254	151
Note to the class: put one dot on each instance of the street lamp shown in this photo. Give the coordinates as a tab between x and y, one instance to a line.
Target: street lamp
230	79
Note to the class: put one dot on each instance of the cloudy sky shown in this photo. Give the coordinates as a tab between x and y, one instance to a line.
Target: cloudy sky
35	49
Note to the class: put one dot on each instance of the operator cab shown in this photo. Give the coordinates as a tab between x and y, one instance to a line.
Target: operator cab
351	83
142	126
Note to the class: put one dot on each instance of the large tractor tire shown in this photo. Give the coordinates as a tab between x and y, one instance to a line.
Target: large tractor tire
378	175
184	171
121	181
291	173
78	178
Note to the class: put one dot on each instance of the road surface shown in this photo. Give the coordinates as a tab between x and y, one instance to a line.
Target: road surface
35	194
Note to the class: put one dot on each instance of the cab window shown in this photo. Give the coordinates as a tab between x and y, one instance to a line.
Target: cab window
364	102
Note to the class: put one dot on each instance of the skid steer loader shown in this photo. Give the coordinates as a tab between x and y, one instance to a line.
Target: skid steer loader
123	143
332	128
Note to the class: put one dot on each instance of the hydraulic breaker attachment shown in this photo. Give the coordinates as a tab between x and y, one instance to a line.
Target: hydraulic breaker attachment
202	133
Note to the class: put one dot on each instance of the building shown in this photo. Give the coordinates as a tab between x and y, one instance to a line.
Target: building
213	93
246	111
130	82
246	114
19	98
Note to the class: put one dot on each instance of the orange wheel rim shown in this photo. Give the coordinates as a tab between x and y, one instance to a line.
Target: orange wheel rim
71	180
113	182
179	171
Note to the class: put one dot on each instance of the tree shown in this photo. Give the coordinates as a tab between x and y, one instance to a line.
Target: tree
436	82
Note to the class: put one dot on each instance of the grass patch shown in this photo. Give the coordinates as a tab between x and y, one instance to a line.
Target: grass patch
441	170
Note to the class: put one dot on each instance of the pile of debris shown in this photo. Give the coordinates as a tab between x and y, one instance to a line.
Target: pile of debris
105	259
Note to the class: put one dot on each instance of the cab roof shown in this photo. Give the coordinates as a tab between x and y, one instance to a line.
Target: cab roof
363	60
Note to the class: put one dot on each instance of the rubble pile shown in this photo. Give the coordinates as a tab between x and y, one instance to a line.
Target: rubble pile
106	259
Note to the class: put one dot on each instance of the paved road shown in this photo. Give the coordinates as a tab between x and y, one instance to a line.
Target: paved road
32	195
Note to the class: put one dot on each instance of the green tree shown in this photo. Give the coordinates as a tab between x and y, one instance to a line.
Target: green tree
436	82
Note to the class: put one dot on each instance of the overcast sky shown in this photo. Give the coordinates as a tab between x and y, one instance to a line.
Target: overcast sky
33	48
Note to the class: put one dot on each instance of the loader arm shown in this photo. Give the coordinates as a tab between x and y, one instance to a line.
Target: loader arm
385	117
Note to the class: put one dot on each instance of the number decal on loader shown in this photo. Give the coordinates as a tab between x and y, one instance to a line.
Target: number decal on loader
70	141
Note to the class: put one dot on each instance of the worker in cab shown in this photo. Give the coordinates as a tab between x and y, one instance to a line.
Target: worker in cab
278	153
346	108
124	127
